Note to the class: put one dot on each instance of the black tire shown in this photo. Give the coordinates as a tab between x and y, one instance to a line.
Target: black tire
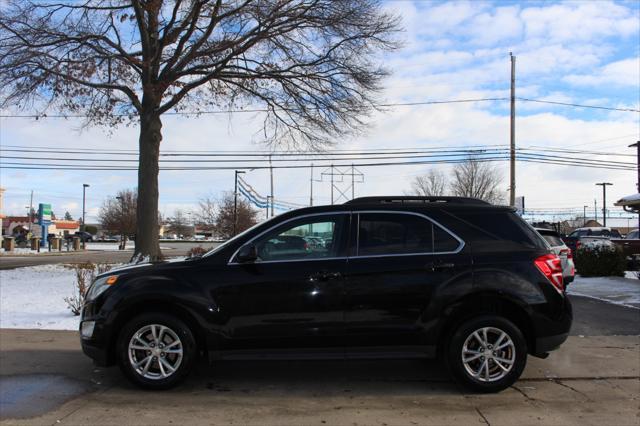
187	344
497	379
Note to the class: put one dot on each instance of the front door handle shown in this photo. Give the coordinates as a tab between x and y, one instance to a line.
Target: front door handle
324	276
439	266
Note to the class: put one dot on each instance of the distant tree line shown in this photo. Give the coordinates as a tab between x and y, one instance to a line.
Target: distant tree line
471	178
216	217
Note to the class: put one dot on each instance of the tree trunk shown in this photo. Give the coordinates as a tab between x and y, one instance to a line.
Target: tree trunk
147	244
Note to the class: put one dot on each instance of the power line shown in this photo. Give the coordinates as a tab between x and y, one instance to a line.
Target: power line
523	158
252	110
382	105
578	105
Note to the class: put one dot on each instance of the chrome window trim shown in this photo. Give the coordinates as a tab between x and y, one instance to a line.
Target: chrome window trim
461	242
357	256
231	262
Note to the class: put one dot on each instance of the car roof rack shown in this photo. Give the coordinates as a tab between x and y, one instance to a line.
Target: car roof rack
417	200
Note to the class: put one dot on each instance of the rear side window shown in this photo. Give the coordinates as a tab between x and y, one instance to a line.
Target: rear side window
394	233
503	230
553	240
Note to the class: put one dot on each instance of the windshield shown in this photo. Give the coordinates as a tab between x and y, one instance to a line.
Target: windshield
234	239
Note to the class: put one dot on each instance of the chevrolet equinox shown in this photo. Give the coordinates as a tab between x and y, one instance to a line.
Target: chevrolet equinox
394	277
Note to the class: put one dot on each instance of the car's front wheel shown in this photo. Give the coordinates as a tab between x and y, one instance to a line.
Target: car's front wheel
487	353
156	351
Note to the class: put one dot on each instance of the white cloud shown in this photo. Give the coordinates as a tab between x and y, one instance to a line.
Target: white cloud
625	72
580	21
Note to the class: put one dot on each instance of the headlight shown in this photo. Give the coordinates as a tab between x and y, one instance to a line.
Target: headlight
99	286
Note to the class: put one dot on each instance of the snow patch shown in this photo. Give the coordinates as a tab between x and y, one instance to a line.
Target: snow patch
618	290
33	297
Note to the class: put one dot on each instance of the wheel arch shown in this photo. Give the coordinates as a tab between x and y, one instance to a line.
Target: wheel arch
485	303
155	305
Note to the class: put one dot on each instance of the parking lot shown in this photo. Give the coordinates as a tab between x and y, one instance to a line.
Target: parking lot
593	379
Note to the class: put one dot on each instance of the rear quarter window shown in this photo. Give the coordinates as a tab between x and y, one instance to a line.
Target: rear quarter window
498	230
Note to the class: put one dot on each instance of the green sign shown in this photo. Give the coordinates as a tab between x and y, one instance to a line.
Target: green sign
44	213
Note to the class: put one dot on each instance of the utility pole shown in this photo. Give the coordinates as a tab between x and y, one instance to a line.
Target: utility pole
268	198
353	182
30	216
584	215
512	189
595	209
271	173
84	223
332	184
637	145
235	203
604	201
311	183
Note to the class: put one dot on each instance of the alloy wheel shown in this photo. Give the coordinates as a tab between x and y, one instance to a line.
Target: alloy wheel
155	352
488	354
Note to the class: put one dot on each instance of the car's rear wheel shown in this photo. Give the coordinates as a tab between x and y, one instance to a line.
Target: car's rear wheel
487	353
156	351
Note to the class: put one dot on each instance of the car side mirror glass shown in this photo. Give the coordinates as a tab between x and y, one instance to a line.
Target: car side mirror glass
247	253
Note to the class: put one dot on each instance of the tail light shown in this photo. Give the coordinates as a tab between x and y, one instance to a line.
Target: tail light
569	254
551	268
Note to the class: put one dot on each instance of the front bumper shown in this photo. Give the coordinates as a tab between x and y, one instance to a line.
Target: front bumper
100	356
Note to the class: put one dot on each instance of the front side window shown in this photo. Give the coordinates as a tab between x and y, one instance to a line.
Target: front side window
393	233
313	238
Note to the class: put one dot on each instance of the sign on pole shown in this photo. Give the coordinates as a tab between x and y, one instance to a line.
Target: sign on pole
44	214
44	218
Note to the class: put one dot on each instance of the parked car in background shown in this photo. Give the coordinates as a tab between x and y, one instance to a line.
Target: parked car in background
564	253
315	242
630	246
403	277
584	235
84	236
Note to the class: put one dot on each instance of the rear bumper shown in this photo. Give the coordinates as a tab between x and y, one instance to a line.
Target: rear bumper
549	343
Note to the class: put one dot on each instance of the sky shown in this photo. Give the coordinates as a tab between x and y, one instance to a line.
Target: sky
574	52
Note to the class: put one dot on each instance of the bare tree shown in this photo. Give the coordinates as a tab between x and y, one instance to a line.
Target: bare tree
179	224
247	216
205	216
477	179
431	184
312	65
118	214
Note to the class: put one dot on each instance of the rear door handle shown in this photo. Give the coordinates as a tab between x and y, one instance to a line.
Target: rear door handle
439	266
324	276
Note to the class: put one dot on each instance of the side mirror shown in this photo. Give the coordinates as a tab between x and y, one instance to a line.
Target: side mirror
247	253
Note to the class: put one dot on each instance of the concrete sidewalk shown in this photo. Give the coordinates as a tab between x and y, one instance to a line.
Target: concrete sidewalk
45	379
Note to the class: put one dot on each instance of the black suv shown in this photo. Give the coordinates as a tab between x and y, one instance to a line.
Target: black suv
397	277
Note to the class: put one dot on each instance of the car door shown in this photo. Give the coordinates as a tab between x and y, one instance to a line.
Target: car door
391	276
292	295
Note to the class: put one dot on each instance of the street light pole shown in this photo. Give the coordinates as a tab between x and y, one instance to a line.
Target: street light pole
604	201
123	241
584	215
637	146
84	223
235	203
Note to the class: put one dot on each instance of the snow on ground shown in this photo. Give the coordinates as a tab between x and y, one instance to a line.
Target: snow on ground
619	290
33	297
109	246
